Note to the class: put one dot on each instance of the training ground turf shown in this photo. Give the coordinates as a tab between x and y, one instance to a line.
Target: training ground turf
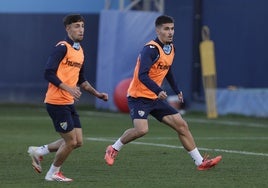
155	161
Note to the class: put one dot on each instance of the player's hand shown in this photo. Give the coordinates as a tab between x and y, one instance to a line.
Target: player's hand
75	92
180	97
162	95
103	96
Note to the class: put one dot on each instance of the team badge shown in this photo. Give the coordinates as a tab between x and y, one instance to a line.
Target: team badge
64	125
76	45
141	113
167	49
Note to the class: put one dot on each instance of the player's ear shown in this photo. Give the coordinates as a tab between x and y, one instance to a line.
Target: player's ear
67	28
157	30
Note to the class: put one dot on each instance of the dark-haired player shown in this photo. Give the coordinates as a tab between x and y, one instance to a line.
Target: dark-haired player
145	96
65	73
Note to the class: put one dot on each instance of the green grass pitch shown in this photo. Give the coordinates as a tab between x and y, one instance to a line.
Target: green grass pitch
155	161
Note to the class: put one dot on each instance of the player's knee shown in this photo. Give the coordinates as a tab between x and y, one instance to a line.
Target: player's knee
142	132
182	127
79	144
72	144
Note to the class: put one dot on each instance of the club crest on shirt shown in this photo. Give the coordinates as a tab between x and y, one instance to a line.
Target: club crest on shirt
167	49
141	113
64	125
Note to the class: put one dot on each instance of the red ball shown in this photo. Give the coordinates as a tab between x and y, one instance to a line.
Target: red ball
120	95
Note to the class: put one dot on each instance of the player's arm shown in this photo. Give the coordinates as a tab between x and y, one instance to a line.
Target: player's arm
173	84
148	57
172	81
85	85
53	63
51	71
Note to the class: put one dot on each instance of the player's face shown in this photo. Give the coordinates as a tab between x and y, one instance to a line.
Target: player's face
76	31
165	32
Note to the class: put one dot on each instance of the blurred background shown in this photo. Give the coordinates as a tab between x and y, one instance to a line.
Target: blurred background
116	31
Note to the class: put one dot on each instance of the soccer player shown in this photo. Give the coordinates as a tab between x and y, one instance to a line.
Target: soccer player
145	96
65	73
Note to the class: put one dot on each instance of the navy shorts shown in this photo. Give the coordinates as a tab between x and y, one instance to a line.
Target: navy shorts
64	117
140	108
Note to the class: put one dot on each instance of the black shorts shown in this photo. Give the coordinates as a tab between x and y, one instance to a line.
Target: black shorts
64	117
140	108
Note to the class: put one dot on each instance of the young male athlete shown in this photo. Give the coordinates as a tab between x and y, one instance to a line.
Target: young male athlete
145	96
65	74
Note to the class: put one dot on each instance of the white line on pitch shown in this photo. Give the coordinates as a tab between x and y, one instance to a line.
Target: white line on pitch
113	115
209	138
224	122
180	147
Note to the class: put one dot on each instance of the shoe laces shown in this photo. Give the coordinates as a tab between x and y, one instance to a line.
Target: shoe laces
113	153
206	161
206	157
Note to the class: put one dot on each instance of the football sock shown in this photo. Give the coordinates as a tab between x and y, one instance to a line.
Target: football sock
118	145
198	159
53	169
43	150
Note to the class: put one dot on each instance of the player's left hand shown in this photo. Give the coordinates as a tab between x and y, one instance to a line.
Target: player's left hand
103	96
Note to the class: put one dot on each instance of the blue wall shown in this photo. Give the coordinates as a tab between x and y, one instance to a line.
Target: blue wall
30	28
54	6
183	12
239	29
26	42
119	47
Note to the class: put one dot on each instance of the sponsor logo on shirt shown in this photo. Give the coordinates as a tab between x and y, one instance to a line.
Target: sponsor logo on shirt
73	64
164	67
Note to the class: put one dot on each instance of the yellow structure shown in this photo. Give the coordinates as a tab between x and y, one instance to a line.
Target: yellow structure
209	75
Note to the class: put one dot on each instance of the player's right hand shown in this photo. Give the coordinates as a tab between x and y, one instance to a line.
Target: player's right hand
162	95
180	96
75	92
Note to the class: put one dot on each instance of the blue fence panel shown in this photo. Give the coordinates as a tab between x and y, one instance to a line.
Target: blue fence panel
121	36
239	31
26	42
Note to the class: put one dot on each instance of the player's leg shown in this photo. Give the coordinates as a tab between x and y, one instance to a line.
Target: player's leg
140	129
67	124
69	144
77	128
140	109
54	146
176	122
79	137
66	147
181	127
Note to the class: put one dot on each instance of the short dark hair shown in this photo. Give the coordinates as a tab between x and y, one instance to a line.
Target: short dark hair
72	18
163	19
